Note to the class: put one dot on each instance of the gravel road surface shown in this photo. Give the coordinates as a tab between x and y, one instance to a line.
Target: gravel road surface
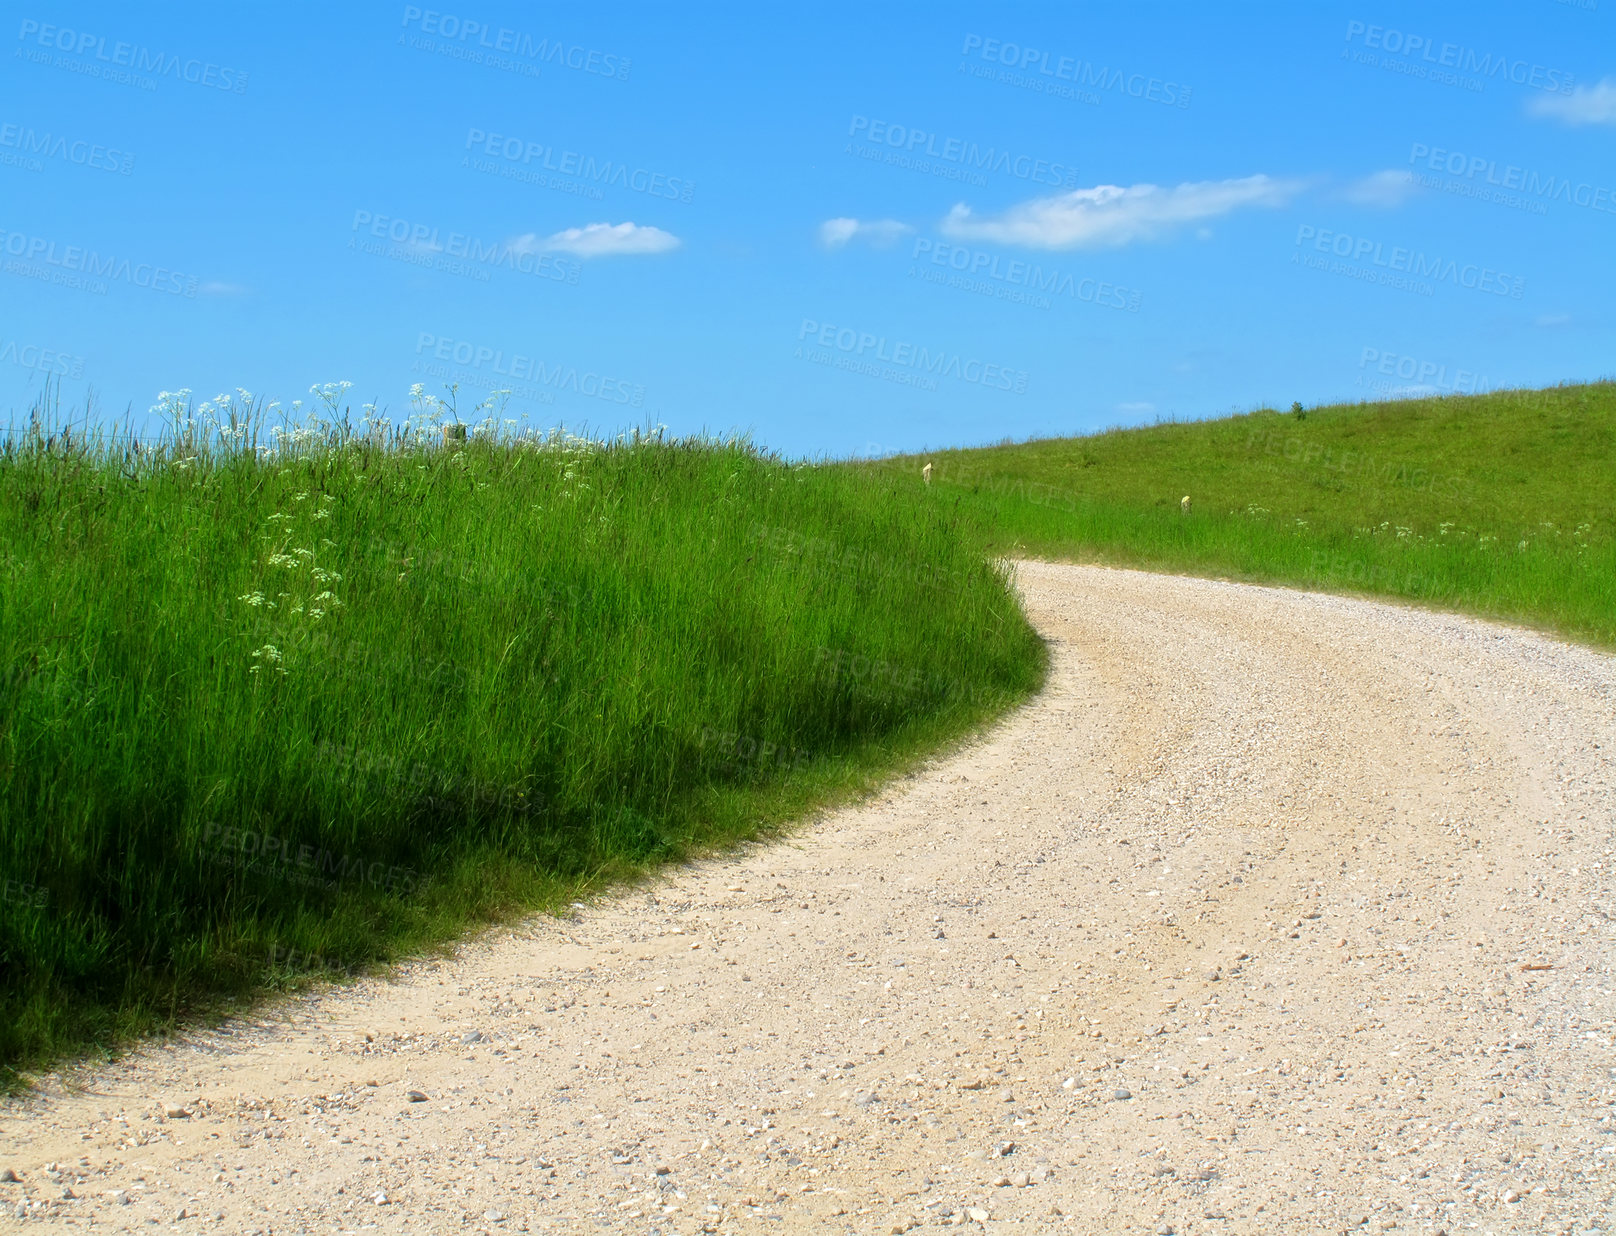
1275	912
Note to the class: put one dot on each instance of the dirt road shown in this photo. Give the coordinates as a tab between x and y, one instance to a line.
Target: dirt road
1274	913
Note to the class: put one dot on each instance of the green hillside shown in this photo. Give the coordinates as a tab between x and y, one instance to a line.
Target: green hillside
1502	504
271	715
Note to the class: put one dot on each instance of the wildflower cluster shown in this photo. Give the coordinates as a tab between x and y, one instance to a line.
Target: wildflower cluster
433	411
233	423
1449	533
313	600
223	424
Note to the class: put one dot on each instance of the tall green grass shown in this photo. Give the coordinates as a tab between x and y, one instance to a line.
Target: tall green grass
1499	505
268	712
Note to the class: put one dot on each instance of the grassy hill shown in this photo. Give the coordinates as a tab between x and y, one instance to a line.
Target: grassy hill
1502	505
268	715
274	713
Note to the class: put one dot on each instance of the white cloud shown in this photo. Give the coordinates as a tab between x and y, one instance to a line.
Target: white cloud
1416	390
1584	105
834	233
1136	409
1552	321
600	240
1109	215
1388	188
216	288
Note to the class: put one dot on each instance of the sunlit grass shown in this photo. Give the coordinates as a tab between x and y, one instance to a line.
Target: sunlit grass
1499	504
282	703
291	701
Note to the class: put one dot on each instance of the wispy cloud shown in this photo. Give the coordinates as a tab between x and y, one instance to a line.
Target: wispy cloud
834	233
1109	216
1553	321
1584	105
600	240
1387	189
217	288
1415	390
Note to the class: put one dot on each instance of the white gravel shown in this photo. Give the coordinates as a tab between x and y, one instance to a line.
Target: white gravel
1223	933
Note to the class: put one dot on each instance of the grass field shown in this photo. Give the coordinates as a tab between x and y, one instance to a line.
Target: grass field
273	713
267	714
1502	505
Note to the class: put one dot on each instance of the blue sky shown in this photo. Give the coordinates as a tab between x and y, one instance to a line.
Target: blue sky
848	229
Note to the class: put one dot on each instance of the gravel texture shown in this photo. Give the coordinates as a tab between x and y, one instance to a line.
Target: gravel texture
1275	912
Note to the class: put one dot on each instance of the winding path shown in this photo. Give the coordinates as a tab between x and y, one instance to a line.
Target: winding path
1276	912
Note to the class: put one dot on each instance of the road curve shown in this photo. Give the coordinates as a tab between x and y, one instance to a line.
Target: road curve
1275	912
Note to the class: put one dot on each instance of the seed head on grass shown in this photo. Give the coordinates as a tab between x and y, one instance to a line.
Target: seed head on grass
267	655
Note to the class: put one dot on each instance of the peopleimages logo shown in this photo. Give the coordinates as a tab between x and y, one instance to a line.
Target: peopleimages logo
921	142
1514	179
521	368
1410	262
865	348
22	893
1021	60
526	153
424	239
41	258
1423	373
131	56
42	360
1425	51
976	264
261	854
32	145
470	35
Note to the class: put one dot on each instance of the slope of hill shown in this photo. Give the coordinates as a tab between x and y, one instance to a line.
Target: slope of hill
1498	504
268	716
